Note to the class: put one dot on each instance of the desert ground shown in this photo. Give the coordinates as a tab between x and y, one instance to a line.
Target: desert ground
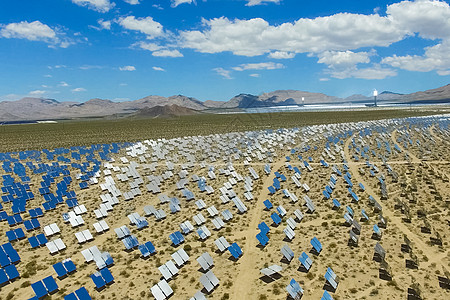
409	158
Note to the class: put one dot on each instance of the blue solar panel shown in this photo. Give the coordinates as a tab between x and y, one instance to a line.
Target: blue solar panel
12	272
50	284
3	277
144	250
39	289
268	204
263	227
83	294
276	218
70	296
271	190
60	270
98	280
42	239
316	244
350	210
33	242
11	252
11	235
336	203
70	266
174	239
262	238
107	276
150	247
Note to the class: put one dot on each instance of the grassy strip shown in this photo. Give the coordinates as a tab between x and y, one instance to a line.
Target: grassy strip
87	132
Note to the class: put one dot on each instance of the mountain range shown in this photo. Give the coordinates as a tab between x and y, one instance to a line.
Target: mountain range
47	109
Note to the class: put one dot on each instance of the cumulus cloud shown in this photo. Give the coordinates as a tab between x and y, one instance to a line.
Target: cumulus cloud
77	90
374	72
259	66
343	59
37	93
158	69
127	68
157	50
254	75
224	73
167	53
35	31
281	55
435	58
63	83
104	24
146	26
344	64
257	37
102	6
132	2
175	3
258	2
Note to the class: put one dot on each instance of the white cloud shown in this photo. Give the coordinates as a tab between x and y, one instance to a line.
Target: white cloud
104	24
281	55
444	72
97	5
123	84
127	68
146	25
374	72
431	19
158	69
37	93
324	79
147	46
344	64
338	32
222	72
57	67
255	75
258	2
80	89
175	3
259	66
132	2
48	76
90	67
157	6
343	59
256	36
167	53
435	58
64	84
34	31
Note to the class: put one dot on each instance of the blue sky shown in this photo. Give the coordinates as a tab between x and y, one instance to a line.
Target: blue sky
75	50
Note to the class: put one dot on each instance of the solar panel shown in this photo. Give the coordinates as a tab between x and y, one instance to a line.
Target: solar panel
271	270
222	244
298	214
276	218
326	296
316	244
294	290
305	260
263	227
290	234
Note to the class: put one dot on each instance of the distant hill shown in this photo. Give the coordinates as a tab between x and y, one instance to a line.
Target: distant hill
47	109
166	111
